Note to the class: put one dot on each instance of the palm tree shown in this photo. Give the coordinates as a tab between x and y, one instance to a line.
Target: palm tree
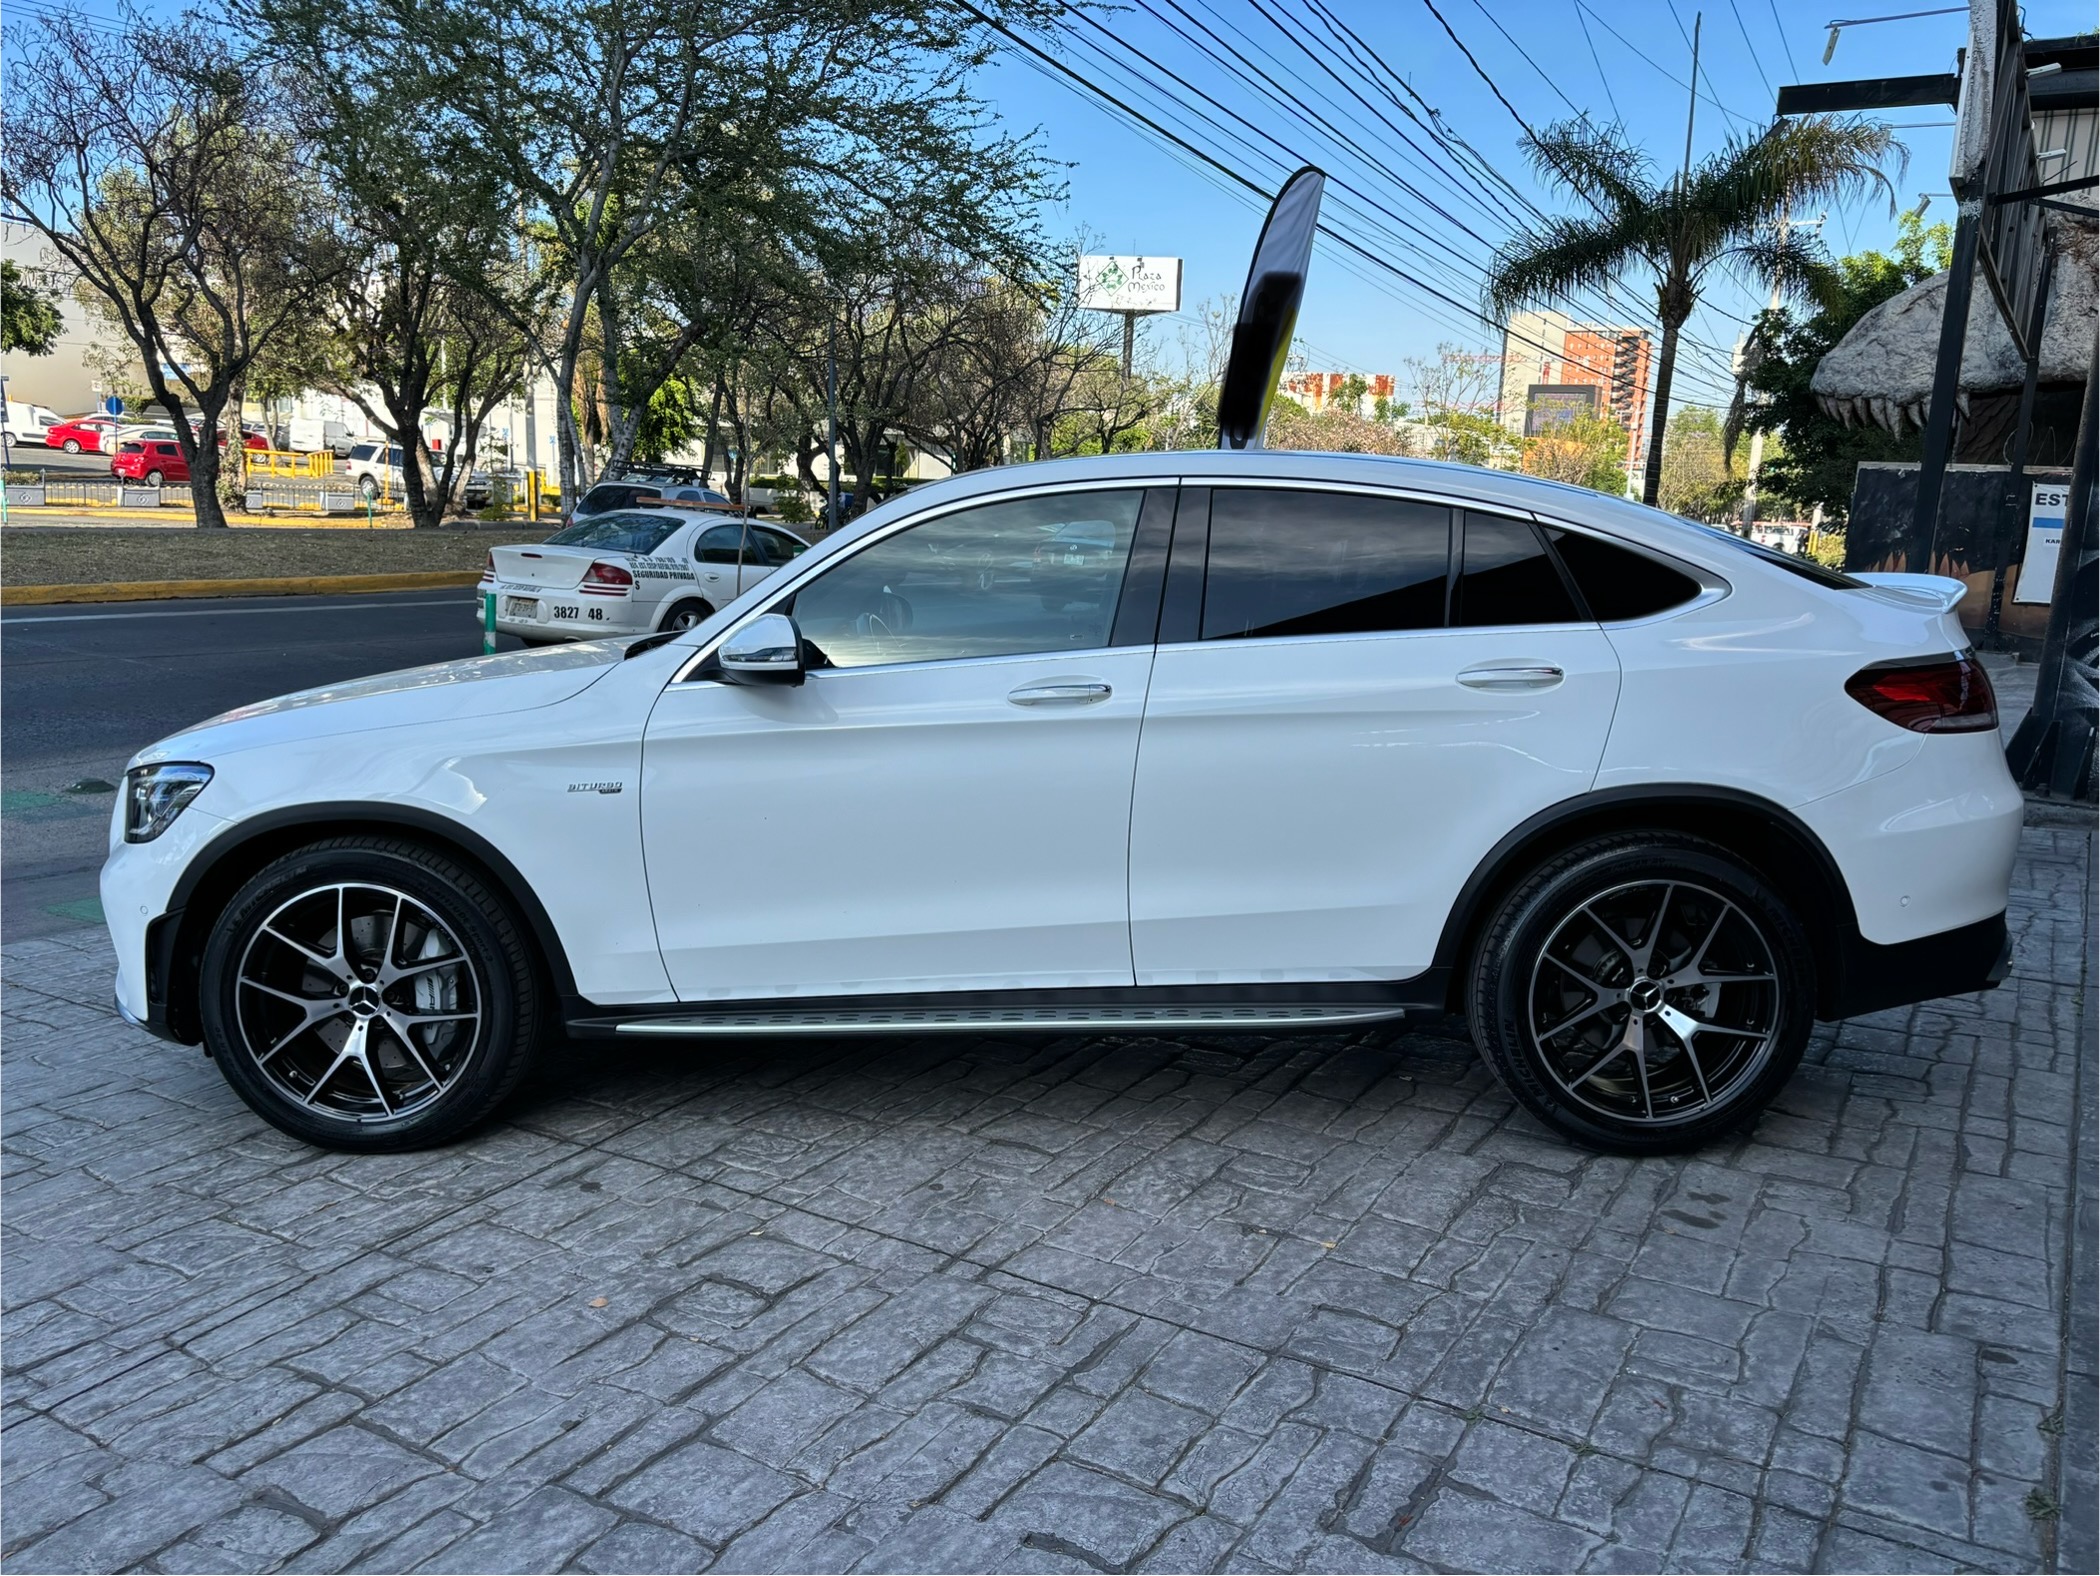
1719	211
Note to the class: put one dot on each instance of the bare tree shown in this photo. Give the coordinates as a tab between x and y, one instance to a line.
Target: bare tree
165	174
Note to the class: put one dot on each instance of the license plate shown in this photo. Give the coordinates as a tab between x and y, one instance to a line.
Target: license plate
520	607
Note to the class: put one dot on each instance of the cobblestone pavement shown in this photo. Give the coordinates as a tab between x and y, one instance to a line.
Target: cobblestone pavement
1064	1305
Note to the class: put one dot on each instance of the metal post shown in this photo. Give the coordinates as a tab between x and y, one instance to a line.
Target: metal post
1693	111
1946	386
831	434
1129	342
488	623
2001	547
2053	748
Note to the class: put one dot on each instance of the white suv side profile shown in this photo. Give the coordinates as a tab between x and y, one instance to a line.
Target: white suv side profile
1319	740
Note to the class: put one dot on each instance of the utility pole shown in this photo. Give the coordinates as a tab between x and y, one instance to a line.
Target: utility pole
831	432
1692	112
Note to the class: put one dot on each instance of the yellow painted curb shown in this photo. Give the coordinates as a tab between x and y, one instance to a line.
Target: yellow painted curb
290	585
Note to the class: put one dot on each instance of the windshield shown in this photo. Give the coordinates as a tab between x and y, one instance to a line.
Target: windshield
618	533
1806	568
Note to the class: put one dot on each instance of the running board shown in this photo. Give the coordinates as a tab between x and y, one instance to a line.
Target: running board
926	1020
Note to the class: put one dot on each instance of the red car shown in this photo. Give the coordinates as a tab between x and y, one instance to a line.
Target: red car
83	434
152	462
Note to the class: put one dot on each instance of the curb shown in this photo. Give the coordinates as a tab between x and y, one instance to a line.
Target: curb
86	515
292	585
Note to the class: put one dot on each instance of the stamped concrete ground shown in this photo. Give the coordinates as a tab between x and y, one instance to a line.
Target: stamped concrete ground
1320	1303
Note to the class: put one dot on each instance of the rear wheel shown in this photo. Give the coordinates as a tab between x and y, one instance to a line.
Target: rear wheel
153	478
370	489
1643	993
72	445
370	993
686	615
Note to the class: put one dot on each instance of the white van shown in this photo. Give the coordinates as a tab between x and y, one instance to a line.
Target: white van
26	423
312	435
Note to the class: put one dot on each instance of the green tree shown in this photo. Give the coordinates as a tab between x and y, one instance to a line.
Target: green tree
29	318
1697	480
1716	214
1587	451
1822	455
642	140
165	173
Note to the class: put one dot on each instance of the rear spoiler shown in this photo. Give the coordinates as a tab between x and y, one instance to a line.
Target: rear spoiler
1936	592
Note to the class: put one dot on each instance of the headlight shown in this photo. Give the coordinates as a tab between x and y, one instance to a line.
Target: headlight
155	795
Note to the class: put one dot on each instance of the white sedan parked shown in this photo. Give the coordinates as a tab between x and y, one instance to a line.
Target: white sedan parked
1315	740
633	572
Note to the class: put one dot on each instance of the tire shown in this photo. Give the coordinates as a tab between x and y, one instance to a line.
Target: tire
685	615
369	488
153	478
437	1047
72	445
1572	1009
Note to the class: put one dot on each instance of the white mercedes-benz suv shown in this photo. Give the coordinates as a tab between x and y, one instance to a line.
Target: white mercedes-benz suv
1297	740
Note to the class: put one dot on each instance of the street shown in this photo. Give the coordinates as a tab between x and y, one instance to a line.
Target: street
84	686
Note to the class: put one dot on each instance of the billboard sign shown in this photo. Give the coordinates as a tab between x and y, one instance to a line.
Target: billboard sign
1550	405
2045	539
1130	284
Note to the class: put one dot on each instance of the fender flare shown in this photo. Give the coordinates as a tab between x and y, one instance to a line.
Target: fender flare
339	817
1507	859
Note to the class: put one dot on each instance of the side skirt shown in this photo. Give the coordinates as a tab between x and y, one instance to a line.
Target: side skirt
1134	1010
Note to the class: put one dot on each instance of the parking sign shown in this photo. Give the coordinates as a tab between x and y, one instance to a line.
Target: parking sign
2045	538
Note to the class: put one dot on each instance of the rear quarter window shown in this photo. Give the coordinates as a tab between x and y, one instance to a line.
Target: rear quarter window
1617	582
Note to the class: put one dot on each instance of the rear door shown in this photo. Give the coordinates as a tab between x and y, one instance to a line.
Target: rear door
1369	692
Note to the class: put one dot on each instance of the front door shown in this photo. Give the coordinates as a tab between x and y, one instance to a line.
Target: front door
944	803
1372	693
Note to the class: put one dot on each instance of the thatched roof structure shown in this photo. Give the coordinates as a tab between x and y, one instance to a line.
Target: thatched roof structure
1881	372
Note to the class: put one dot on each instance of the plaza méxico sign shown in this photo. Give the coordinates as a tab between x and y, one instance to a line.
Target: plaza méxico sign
1130	284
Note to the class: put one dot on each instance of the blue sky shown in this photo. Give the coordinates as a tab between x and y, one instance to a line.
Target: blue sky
1135	196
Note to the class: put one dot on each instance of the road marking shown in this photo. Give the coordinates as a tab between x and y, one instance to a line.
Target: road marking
221	612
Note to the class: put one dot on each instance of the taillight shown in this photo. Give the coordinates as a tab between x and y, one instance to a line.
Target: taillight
490	567
608	577
1949	695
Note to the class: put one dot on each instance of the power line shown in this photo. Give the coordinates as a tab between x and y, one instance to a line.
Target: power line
1698	347
1609	97
1535	66
1332	232
1742	28
1780	29
1650	60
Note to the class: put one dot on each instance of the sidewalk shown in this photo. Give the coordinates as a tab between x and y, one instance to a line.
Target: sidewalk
1067	1305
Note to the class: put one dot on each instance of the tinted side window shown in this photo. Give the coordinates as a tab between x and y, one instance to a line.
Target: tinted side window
1506	577
1322	563
1618	582
779	545
718	545
970	584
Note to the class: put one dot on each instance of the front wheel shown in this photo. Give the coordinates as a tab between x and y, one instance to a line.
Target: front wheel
153	478
369	993
1643	993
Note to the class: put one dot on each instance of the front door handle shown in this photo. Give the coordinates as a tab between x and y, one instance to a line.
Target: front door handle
1512	676
1075	694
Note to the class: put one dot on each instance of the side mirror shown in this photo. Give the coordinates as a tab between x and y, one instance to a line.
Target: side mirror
767	650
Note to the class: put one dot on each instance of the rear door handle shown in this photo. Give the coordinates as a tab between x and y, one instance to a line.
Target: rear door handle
1512	676
1075	694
